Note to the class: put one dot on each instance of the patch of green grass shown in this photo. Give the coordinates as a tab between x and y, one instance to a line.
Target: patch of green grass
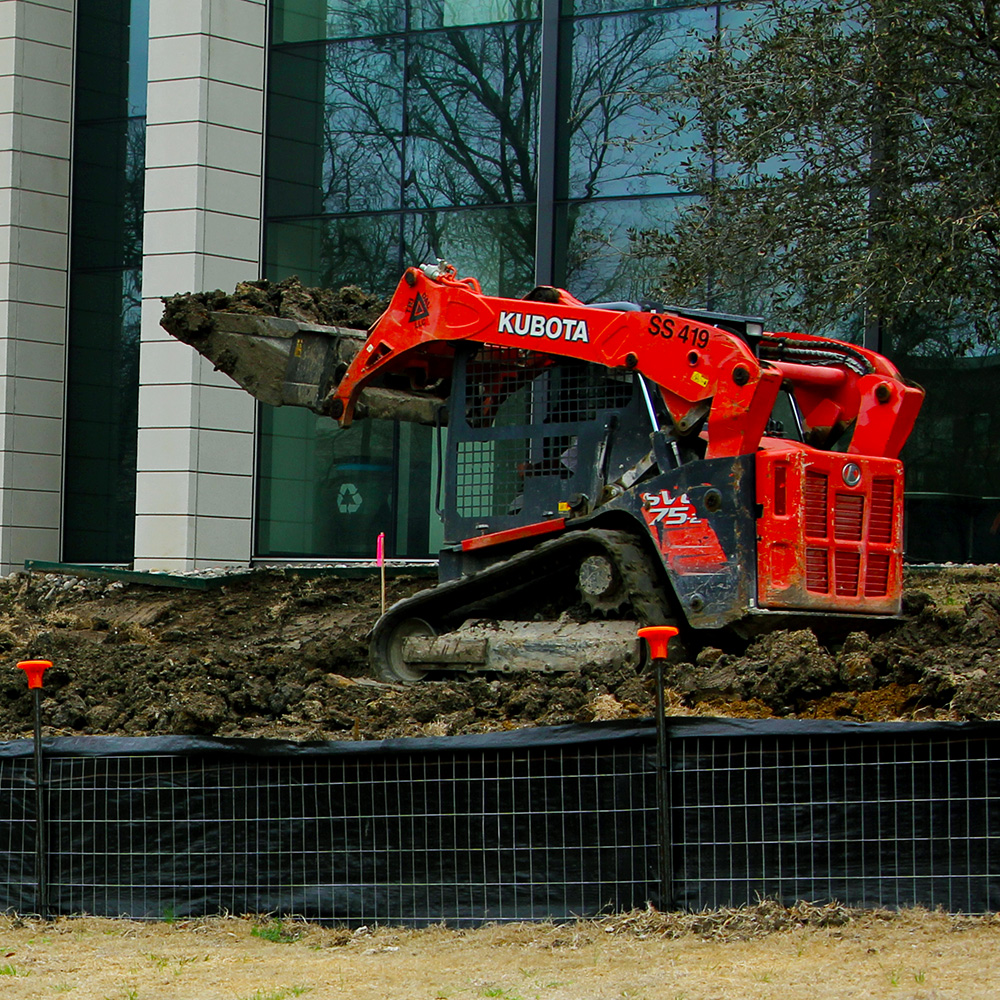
10	970
162	961
276	931
282	993
920	977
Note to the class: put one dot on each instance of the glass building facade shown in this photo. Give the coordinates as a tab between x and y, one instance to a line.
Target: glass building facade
105	280
504	136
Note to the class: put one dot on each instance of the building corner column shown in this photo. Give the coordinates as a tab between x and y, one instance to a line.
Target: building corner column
36	105
204	141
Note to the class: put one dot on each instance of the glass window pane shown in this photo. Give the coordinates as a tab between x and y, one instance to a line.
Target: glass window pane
138	56
473	117
600	263
328	492
314	20
426	14
296	115
615	60
360	250
335	128
108	177
101	417
111	54
952	460
572	7
497	246
362	138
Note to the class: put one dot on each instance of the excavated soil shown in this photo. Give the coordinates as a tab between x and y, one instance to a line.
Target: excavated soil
187	314
278	654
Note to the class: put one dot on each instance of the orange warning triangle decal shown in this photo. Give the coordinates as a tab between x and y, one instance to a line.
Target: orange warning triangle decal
419	310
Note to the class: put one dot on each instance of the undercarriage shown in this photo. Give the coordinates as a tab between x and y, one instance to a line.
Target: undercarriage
565	604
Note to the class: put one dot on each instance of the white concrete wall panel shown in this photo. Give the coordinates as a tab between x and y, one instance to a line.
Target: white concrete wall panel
216	537
204	148
36	68
163	493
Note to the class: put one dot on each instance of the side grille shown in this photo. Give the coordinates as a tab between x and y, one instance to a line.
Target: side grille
848	517
855	526
817	570
880	522
847	565
815	502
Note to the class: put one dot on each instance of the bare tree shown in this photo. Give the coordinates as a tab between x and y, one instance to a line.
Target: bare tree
448	120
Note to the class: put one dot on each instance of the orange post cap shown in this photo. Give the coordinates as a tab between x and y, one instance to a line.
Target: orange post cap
658	637
34	669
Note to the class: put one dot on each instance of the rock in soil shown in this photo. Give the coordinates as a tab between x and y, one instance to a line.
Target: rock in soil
276	654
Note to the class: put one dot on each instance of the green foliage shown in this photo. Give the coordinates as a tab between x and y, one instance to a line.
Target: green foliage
276	931
846	170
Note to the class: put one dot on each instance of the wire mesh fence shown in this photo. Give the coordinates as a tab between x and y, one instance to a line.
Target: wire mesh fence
469	836
870	818
536	824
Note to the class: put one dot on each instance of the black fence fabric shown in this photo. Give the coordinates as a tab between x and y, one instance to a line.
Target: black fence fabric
549	823
891	816
410	836
18	828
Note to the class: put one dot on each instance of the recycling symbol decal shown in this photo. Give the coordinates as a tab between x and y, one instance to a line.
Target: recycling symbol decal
348	499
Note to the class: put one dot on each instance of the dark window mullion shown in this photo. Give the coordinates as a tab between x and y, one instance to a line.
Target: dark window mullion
548	126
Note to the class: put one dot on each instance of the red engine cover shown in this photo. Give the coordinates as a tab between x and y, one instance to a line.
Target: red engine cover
830	534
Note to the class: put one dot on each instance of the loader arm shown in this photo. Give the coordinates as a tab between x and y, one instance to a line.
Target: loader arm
692	364
699	368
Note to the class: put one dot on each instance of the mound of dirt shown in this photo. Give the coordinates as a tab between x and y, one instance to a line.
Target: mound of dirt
349	306
278	654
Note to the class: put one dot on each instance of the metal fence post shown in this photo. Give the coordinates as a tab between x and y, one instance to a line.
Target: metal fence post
34	670
658	638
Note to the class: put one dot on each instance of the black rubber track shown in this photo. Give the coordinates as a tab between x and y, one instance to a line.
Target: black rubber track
511	587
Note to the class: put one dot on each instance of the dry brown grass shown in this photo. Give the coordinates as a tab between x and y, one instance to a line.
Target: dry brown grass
758	953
